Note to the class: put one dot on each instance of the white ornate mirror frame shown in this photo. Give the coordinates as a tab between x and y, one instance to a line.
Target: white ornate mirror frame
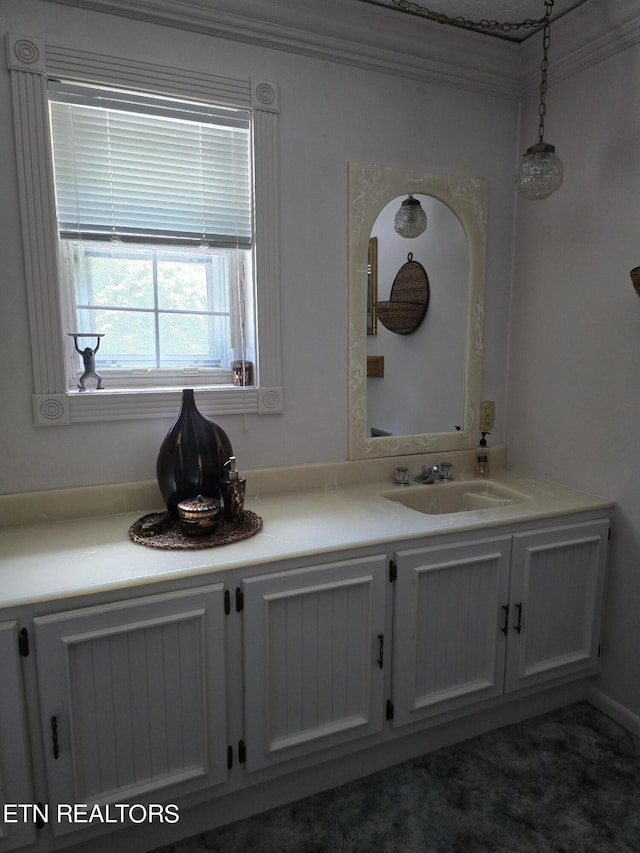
370	188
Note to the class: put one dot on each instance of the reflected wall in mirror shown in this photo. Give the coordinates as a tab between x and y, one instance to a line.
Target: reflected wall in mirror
432	378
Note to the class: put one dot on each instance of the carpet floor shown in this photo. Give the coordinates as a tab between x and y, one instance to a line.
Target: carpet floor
565	782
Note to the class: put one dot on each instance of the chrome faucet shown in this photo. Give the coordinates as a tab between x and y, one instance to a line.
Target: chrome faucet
439	471
430	474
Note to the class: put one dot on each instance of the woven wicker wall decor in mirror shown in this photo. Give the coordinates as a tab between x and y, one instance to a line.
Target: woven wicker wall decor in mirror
462	200
408	301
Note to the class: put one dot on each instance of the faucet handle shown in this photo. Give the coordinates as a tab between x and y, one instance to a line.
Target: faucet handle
446	470
402	476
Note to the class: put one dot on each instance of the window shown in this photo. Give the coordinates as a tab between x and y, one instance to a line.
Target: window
34	65
153	199
160	309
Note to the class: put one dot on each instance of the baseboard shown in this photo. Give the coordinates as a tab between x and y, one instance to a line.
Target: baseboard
615	710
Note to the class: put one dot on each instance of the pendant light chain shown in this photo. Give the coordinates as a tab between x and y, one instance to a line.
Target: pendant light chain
483	24
544	67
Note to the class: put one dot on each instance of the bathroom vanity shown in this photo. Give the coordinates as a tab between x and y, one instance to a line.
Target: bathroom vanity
353	632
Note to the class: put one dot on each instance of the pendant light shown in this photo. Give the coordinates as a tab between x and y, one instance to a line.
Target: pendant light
540	172
410	220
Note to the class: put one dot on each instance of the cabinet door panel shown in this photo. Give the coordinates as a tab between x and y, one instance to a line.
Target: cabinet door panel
449	647
310	657
137	692
15	762
557	586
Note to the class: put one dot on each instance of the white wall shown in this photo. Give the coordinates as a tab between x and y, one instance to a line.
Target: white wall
330	114
574	388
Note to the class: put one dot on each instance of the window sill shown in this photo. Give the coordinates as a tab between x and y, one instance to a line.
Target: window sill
127	404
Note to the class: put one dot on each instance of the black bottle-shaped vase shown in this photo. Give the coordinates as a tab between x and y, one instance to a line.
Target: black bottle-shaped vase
192	456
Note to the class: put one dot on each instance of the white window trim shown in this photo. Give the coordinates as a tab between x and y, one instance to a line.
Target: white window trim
31	61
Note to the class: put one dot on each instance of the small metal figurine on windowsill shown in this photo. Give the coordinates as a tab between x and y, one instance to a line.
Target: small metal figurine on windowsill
88	359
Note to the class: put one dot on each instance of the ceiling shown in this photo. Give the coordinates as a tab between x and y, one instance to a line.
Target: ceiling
511	11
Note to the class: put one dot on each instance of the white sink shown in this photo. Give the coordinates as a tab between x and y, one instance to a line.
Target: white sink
456	496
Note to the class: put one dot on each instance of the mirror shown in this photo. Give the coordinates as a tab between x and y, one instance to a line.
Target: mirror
442	252
431	380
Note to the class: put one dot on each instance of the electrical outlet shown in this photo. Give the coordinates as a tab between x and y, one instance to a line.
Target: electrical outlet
487	415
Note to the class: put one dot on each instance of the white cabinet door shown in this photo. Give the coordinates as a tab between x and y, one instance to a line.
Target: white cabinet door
313	658
449	634
133	699
15	763
557	579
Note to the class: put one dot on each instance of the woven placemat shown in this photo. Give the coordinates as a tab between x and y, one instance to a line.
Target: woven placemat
172	538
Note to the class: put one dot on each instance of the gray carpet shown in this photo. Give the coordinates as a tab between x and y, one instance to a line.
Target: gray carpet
568	781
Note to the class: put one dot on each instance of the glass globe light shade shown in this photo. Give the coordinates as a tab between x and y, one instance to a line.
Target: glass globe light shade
410	220
540	173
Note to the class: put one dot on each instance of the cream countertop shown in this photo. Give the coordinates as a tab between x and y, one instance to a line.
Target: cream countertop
340	508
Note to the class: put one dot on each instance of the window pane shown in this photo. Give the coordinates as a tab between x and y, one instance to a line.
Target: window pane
129	337
182	285
193	339
220	281
222	340
179	305
116	280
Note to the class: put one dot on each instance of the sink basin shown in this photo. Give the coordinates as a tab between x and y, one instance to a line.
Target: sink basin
458	496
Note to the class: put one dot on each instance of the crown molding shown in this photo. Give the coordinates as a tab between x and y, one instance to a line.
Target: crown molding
342	31
581	39
378	39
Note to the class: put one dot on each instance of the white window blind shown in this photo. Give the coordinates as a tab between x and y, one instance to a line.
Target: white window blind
148	169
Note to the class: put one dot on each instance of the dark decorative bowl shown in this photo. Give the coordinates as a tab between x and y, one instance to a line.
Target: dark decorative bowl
198	516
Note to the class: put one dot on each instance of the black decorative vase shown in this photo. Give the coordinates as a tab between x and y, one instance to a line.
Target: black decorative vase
192	456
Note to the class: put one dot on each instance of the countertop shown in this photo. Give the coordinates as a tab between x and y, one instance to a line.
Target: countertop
58	557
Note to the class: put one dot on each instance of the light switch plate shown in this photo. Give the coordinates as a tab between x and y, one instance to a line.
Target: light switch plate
487	415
